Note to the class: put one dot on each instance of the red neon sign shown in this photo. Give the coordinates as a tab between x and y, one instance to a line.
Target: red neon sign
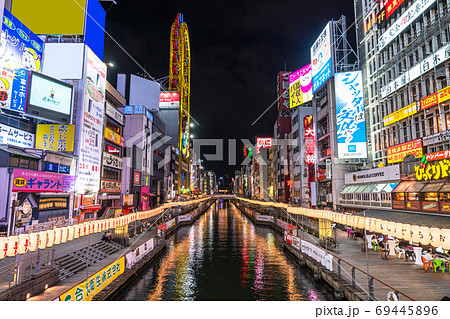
264	142
310	142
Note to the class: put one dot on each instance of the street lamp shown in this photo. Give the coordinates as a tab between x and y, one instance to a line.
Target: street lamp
191	125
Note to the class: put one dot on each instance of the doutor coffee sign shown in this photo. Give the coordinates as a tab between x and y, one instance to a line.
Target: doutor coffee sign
382	174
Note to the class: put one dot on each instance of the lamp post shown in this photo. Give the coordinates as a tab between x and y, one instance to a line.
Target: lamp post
367	257
8	208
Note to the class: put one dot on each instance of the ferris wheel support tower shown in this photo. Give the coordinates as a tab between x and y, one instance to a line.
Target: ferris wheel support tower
180	81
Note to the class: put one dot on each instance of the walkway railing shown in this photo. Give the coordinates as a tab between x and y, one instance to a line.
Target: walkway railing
361	276
25	268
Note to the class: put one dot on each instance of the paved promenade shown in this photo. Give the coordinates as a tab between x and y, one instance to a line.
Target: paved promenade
65	249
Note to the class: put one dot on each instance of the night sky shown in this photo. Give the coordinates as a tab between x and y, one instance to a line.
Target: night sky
237	49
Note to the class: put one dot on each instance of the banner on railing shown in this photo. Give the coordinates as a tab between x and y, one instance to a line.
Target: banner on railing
285	225
96	283
288	237
134	256
264	218
184	218
292	240
170	223
318	254
296	242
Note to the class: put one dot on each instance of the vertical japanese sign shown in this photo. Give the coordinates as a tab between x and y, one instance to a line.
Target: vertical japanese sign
96	283
20	50
310	140
90	148
350	119
300	86
321	59
283	91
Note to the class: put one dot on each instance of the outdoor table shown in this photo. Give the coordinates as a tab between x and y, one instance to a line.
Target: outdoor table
369	241
390	245
418	252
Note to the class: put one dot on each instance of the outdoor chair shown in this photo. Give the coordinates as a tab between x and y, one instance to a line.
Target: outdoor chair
349	232
426	263
400	251
375	245
438	263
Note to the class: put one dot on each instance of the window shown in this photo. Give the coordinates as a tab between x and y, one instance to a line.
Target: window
111	174
438	120
34	164
14	161
447	117
430	125
24	162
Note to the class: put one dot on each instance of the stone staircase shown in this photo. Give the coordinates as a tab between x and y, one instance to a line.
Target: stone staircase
78	260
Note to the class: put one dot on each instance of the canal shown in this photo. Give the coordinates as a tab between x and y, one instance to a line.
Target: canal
224	256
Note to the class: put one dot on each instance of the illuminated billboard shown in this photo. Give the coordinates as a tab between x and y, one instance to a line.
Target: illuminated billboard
15	137
427	64
169	99
321	59
51	16
350	119
300	86
310	140
263	142
20	50
283	90
414	11
58	138
49	98
398	152
91	123
400	114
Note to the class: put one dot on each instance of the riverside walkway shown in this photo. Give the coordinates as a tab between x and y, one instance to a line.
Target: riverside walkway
54	292
407	277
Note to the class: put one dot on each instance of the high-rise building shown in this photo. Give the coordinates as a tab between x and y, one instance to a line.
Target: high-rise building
404	55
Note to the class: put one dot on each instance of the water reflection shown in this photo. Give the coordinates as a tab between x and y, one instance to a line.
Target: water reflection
223	256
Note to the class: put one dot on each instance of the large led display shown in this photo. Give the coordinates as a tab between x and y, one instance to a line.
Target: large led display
321	59
350	119
49	98
52	16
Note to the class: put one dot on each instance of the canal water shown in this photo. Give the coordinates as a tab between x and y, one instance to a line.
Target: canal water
224	256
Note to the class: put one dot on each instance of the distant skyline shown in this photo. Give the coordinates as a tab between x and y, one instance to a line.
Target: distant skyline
237	49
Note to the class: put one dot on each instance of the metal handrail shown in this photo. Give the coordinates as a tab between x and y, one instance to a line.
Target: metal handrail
16	272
